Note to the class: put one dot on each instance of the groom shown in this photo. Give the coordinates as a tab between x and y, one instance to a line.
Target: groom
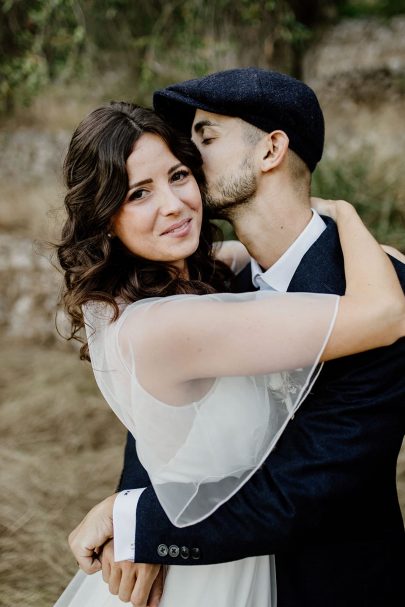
325	500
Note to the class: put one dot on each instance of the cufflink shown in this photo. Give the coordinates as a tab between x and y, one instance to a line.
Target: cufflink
162	550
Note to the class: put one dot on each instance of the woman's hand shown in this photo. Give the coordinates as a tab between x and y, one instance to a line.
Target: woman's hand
233	253
394	252
87	539
336	209
332	208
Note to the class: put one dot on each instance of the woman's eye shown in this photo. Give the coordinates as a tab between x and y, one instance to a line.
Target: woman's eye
207	140
137	195
180	175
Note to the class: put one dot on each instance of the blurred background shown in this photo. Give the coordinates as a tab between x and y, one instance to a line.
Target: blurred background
61	448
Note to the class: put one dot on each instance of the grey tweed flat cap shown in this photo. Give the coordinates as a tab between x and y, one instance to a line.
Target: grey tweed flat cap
269	100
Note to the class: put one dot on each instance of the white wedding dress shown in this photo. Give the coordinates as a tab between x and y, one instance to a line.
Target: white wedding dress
198	455
246	583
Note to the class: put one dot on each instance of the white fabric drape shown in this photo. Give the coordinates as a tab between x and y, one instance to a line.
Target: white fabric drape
198	455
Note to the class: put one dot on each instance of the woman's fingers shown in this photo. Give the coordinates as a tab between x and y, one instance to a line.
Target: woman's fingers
92	533
324	207
83	552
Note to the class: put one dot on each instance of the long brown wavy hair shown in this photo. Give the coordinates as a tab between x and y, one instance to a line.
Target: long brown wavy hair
97	267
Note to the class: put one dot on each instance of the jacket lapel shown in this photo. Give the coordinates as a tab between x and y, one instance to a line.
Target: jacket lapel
242	283
321	269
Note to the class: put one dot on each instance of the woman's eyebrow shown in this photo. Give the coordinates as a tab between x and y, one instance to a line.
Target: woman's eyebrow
145	181
138	183
176	166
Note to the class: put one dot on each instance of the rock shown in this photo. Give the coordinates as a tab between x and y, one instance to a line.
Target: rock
30	288
356	46
357	68
30	154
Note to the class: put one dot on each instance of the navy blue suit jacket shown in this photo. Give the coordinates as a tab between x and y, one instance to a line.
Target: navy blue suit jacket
325	501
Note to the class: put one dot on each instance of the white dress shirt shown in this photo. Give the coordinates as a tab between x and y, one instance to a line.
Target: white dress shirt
277	278
279	275
124	523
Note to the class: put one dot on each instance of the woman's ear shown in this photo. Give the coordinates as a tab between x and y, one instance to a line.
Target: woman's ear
275	150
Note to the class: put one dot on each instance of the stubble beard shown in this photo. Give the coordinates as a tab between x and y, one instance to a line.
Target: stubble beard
232	192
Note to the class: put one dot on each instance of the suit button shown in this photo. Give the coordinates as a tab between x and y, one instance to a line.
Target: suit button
195	553
162	550
184	552
174	551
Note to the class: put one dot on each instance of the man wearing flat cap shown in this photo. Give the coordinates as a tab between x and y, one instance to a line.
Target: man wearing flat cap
324	502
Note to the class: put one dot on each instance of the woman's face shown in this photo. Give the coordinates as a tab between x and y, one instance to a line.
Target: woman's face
160	218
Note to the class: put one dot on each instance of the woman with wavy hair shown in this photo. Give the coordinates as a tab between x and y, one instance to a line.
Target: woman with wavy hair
205	380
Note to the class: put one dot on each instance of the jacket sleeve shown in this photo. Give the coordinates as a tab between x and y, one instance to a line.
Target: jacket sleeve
133	475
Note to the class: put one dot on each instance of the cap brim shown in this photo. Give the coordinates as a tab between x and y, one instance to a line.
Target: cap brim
178	109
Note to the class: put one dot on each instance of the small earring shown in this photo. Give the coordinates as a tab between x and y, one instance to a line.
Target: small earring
109	235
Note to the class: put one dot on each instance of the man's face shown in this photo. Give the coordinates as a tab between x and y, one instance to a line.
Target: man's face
229	161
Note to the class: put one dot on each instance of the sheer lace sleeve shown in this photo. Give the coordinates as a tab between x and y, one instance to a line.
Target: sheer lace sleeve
199	454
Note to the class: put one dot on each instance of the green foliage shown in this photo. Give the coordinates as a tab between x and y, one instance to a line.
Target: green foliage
226	229
163	40
168	40
376	197
38	40
378	8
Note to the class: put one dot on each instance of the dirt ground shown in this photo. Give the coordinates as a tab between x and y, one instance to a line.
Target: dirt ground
61	452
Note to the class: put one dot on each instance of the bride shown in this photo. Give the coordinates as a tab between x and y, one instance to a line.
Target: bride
205	380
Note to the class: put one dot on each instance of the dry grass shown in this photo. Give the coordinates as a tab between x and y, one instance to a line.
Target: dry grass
61	450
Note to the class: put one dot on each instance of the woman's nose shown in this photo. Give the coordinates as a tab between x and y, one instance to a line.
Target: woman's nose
170	203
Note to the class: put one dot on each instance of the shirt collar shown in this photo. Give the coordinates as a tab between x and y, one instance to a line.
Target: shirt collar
279	275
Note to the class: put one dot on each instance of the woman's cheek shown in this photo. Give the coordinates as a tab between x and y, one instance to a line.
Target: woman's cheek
197	200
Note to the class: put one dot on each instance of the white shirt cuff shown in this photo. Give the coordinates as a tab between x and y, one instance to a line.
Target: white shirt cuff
124	523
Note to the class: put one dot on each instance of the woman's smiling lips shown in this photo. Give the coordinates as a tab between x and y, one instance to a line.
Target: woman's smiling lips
181	228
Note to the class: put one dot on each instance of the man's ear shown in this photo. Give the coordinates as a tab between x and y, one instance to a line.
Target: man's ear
275	147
